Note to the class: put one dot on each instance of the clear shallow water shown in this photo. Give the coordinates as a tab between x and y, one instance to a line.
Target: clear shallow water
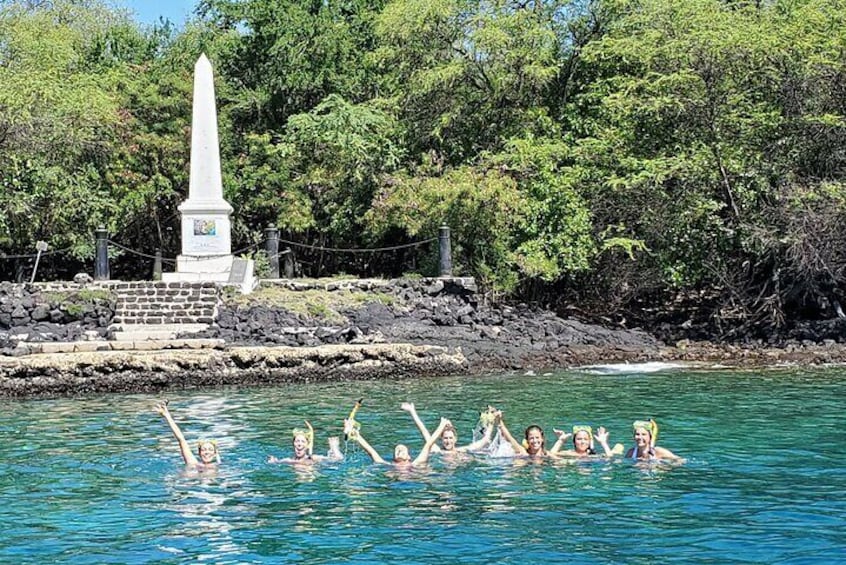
100	480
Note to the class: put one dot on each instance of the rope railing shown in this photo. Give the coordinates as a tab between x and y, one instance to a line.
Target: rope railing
35	255
141	253
271	252
352	250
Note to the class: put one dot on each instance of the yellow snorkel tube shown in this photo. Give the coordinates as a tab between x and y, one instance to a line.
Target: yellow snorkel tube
351	427
309	435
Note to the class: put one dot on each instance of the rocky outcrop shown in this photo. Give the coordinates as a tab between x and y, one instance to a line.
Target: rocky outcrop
444	312
113	371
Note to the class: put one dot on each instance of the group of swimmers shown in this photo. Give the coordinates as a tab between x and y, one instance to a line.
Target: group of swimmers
645	433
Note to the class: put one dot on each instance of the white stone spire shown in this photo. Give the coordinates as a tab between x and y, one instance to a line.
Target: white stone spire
206	227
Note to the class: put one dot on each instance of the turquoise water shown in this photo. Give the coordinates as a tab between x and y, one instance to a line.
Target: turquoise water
100	480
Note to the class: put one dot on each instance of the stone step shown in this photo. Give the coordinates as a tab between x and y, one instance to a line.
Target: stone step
153	332
29	348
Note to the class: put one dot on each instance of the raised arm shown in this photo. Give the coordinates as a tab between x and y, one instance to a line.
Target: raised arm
412	411
184	448
515	445
602	438
559	443
364	444
427	449
335	453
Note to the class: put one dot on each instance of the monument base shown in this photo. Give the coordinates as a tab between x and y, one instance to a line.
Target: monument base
219	268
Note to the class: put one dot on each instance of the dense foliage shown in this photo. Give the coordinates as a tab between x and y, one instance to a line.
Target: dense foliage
593	153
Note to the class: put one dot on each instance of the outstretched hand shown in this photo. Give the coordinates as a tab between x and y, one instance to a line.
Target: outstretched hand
601	434
161	407
407	406
562	434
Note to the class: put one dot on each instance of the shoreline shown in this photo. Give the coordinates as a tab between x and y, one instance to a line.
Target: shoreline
101	372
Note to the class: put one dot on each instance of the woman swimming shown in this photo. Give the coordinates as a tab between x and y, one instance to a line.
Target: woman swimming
534	445
645	449
402	458
207	451
302	441
583	442
449	437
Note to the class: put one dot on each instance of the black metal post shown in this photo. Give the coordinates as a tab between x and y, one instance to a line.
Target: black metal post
271	237
101	259
289	263
157	265
444	252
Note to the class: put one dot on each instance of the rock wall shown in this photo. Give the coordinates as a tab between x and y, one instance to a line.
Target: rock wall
54	312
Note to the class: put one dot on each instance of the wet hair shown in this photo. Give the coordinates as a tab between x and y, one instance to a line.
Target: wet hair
449	428
526	437
534	427
397	448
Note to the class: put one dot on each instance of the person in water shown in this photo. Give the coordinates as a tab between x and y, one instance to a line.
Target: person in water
302	441
583	442
449	437
645	449
534	444
402	458
207	451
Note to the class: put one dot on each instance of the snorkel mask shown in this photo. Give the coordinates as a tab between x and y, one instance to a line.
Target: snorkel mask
650	426
588	429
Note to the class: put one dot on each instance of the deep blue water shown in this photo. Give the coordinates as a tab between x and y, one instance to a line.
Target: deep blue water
99	479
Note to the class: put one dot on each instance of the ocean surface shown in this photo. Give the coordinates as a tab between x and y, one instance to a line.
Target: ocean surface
99	479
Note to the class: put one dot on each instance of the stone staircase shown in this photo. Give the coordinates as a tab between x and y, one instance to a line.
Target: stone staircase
161	311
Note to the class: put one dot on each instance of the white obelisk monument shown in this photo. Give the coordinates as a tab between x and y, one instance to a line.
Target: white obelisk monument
206	228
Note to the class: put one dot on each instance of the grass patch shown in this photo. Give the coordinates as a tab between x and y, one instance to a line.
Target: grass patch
75	303
322	304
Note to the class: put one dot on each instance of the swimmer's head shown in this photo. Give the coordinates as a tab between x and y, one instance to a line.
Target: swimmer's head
207	451
582	439
449	437
534	439
645	432
401	454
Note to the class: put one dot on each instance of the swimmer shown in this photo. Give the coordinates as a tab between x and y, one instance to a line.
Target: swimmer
645	436
206	449
402	458
449	437
534	441
583	442
302	441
